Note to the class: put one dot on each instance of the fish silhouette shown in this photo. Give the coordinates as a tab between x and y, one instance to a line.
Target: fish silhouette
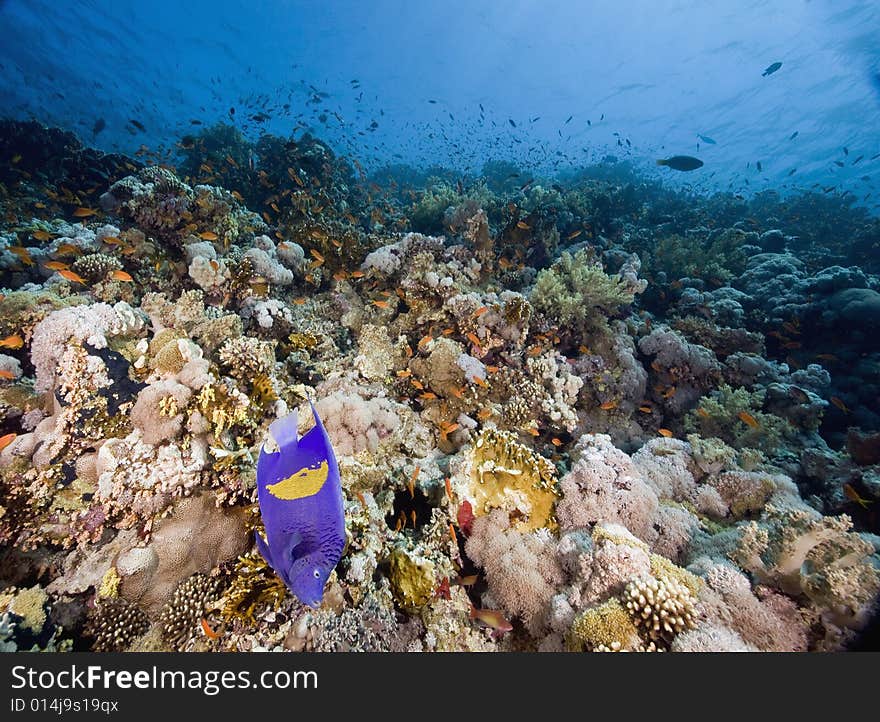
300	497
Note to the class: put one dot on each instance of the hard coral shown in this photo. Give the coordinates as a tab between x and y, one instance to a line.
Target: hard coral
498	472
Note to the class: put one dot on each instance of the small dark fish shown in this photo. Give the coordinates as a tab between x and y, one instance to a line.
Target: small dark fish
526	184
99	125
432	101
706	139
858	159
792	171
681	162
838	163
231	112
874	157
195	122
793	135
588	122
845	150
568	120
512	124
759	166
771	69
138	125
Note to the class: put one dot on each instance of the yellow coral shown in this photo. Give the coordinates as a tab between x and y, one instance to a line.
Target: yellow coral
109	587
254	586
30	605
508	475
608	626
223	408
412	579
662	568
168	406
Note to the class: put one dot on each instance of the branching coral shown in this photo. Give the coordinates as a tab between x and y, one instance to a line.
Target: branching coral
661	608
189	602
577	294
114	624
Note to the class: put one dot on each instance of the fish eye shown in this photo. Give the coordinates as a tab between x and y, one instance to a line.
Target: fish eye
317	574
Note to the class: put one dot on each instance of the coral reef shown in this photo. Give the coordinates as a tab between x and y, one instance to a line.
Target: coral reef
582	413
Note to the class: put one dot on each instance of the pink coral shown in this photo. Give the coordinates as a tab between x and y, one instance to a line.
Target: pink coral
521	568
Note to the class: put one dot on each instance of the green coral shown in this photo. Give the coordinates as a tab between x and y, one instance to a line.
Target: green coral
577	294
608	627
719	260
412	579
722	414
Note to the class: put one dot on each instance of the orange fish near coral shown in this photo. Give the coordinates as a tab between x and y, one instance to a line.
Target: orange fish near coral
12	342
56	266
206	628
23	254
72	276
7	440
608	406
838	402
6	374
665	432
208	236
645	409
748	419
85	212
121	276
42	236
853	495
491	618
412	482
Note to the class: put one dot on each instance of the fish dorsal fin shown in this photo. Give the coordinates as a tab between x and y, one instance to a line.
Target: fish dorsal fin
283	433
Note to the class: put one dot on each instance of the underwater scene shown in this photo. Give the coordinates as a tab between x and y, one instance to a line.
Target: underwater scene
440	326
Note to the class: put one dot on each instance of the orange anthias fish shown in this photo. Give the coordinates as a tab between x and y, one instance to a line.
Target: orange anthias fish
412	481
13	342
23	254
121	276
208	236
72	276
748	419
608	406
6	374
491	618
85	212
665	432
853	495
838	402
206	628
7	440
56	266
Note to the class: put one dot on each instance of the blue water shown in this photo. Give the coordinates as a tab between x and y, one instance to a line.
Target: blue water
655	74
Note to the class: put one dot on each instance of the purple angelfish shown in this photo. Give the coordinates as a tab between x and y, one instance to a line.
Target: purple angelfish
300	497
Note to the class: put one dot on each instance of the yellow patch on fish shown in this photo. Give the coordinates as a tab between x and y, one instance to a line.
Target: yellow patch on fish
305	482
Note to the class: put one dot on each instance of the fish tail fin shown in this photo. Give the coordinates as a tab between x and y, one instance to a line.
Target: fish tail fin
660	161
